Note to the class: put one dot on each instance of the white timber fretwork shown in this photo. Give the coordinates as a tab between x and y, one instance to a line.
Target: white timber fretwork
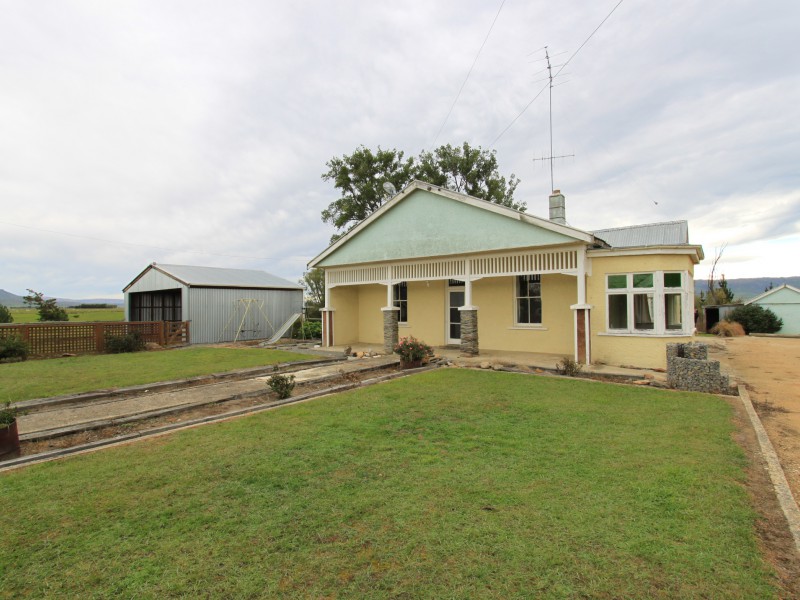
564	260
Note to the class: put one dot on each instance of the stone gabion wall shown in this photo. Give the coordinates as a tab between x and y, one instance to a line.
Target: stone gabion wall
469	332
390	330
688	368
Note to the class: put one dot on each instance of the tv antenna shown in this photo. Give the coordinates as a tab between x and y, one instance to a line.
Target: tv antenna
550	86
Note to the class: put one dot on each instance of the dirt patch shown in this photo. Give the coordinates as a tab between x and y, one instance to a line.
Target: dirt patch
770	369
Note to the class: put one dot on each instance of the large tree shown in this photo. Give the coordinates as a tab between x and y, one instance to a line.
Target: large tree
313	283
48	309
360	176
470	171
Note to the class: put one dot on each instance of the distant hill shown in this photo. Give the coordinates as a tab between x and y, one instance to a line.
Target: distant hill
11	300
14	301
746	288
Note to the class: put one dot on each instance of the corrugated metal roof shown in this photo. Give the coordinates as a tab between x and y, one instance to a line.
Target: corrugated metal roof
217	277
672	233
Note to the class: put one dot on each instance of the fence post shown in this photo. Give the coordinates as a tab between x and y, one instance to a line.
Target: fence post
99	338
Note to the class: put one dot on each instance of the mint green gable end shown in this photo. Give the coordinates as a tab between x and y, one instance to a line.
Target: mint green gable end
426	224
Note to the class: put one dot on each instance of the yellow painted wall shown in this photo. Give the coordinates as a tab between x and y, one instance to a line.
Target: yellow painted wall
346	315
371	298
633	350
494	297
426	312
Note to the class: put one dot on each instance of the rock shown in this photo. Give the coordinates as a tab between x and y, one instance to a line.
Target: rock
485	365
649	376
67	355
641	382
152	346
496	367
359	354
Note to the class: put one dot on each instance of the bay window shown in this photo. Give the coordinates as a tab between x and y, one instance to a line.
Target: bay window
648	303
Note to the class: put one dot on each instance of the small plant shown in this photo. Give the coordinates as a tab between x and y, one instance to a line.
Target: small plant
727	329
129	342
13	349
411	349
282	385
8	414
569	367
5	315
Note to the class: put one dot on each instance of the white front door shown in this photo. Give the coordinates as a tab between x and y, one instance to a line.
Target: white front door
455	300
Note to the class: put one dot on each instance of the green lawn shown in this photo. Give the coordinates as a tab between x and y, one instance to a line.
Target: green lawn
53	377
448	484
29	315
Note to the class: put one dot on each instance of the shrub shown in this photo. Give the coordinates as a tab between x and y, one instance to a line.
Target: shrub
13	349
569	367
755	319
411	349
129	342
308	330
282	385
5	315
727	329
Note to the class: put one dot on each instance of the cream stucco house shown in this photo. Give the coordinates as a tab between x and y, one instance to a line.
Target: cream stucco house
451	269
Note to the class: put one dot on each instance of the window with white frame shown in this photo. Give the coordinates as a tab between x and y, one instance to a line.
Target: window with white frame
400	294
528	299
648	303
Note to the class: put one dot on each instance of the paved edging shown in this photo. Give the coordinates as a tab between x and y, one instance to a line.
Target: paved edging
46	434
163	386
92	446
776	474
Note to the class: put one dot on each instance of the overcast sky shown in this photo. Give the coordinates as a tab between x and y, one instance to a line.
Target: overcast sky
195	132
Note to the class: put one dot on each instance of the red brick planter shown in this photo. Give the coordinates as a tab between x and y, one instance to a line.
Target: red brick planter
9	439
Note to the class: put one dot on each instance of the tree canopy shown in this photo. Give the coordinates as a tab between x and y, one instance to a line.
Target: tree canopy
48	309
360	176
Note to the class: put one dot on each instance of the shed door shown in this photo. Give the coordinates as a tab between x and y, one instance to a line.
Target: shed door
161	305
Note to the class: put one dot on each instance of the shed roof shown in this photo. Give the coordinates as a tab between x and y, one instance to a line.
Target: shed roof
193	276
670	233
790	289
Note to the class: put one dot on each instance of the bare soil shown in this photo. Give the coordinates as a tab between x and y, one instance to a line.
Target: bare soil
770	369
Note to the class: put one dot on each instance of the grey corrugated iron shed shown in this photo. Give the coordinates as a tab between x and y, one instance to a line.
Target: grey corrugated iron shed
219	277
671	233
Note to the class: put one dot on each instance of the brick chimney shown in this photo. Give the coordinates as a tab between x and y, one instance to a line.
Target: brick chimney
557	208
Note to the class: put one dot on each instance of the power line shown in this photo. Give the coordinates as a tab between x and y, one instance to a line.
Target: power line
461	89
539	93
120	243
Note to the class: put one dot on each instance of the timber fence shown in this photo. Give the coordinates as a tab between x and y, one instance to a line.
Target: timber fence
48	339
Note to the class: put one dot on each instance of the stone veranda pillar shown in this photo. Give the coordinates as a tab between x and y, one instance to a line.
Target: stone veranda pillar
469	331
390	328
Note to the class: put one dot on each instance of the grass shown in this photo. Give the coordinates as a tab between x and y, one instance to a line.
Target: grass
51	377
449	484
29	315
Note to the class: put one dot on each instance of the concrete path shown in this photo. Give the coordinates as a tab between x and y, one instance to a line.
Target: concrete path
146	403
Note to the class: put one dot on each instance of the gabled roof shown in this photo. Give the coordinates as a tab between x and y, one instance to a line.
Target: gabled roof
671	233
784	286
217	277
554	232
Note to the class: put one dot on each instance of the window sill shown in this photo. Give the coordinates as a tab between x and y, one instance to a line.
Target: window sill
529	327
404	325
644	334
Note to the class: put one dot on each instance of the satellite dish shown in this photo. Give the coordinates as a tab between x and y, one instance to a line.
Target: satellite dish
389	187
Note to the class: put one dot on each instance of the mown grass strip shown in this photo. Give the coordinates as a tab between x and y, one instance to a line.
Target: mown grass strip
451	483
51	377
